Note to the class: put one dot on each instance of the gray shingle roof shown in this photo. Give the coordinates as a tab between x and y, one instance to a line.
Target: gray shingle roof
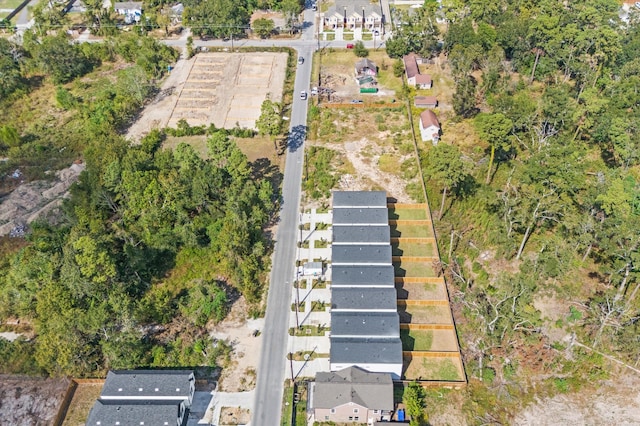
152	383
354	254
362	351
354	6
376	234
364	298
365	324
361	216
134	413
362	276
371	390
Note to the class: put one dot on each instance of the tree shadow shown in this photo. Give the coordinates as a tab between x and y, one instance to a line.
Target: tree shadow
296	137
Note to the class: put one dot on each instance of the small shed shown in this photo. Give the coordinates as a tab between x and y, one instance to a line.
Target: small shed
312	268
425	101
366	67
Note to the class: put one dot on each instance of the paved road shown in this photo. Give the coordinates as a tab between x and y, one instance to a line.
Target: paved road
271	371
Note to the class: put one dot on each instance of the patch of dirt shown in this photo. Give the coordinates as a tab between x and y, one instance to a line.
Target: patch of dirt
84	397
27	401
240	374
368	171
234	416
36	200
613	402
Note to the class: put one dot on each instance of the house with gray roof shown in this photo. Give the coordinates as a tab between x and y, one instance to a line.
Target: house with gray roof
360	254
136	413
361	234
361	216
370	276
353	299
149	385
343	199
351	395
366	325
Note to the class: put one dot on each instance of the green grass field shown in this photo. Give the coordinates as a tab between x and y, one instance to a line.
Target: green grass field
413	269
416	340
406	248
433	369
408	214
418	231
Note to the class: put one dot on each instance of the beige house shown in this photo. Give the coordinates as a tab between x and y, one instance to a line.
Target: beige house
414	78
352	395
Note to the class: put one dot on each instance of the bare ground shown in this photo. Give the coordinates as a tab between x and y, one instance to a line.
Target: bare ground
27	401
240	374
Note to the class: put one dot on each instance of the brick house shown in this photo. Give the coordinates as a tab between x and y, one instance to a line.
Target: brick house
351	395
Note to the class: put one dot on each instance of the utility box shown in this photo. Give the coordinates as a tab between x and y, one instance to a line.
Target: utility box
368	90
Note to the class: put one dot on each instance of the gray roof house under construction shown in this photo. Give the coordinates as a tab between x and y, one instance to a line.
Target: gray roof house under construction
365	326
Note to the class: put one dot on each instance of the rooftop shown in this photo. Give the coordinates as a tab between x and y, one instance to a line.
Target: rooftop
353	384
361	216
359	199
362	276
354	7
365	324
425	100
374	234
375	299
363	351
411	65
134	413
152	383
360	254
428	118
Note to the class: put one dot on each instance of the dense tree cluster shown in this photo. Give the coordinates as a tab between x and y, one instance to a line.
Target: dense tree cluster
556	193
151	246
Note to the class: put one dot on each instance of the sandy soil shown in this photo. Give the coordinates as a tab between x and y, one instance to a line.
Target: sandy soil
84	397
613	402
30	401
368	171
240	374
226	89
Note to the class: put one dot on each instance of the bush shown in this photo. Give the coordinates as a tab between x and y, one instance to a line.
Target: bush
360	50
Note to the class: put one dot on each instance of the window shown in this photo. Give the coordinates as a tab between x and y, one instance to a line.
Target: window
333	411
350	418
355	410
375	411
326	417
357	418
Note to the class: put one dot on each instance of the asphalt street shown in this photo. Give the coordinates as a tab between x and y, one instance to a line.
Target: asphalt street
272	367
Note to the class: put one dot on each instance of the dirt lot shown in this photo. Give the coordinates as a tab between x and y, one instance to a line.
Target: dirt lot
421	291
427	368
28	401
83	399
226	89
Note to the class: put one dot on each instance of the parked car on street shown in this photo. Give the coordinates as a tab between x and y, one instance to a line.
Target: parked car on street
300	60
350	46
303	95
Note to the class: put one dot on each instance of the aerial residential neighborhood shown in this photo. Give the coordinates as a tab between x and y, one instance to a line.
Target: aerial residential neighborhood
322	212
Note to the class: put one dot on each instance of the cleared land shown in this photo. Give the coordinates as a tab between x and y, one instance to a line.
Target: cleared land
421	291
30	401
83	399
415	314
226	89
428	340
432	368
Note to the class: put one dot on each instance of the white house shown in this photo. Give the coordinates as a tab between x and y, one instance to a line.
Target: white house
352	14
429	126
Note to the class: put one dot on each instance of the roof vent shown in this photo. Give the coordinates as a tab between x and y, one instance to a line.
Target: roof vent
119	389
139	389
157	389
177	389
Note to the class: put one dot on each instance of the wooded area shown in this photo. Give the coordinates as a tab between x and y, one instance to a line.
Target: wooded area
539	224
151	246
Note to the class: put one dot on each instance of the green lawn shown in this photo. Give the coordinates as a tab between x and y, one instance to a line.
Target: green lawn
430	314
416	340
408	214
417	231
433	369
406	248
9	4
413	269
